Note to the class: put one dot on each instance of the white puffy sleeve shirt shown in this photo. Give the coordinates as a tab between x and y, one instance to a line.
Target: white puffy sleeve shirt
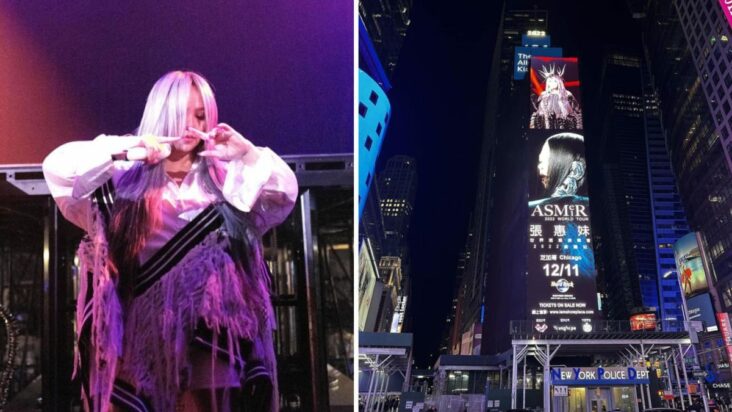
260	182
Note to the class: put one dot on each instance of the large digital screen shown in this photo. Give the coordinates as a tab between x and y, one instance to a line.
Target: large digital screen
522	58
700	308
643	321
689	265
368	273
561	281
555	101
726	328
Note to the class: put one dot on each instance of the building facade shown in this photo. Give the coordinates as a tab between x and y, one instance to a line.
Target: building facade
624	198
482	315
689	53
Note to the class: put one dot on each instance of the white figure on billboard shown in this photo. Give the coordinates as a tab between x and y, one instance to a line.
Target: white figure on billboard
561	166
556	108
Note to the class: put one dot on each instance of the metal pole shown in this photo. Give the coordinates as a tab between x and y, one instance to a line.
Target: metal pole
385	391
371	385
643	366
514	371
678	380
648	392
703	391
523	385
547	380
643	398
375	394
408	379
702	388
668	380
686	377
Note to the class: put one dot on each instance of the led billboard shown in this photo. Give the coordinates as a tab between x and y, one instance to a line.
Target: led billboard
700	309
561	285
522	58
689	265
643	321
555	94
726	328
368	273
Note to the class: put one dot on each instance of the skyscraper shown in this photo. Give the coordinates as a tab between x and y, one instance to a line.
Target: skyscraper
689	54
628	251
398	187
642	214
669	219
483	320
387	23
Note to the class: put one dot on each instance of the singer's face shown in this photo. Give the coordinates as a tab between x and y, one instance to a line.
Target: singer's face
544	165
552	84
196	118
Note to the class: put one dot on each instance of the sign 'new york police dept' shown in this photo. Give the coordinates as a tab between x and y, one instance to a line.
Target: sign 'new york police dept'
609	376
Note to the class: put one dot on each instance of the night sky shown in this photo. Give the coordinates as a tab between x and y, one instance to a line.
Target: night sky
438	102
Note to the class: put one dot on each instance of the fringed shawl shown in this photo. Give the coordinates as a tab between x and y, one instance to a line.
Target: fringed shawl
147	345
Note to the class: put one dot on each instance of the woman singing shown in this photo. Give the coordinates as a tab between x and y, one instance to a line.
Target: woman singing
174	307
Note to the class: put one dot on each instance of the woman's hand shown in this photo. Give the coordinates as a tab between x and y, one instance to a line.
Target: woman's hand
151	149
223	143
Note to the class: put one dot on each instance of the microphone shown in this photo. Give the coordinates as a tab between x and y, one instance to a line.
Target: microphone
140	152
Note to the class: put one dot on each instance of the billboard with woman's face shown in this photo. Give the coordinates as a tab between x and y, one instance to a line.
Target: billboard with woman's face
555	94
561	282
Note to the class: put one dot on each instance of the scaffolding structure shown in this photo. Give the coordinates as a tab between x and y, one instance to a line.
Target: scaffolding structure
382	356
625	348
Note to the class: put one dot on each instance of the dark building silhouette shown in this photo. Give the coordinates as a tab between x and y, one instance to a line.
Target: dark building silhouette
688	50
494	261
624	203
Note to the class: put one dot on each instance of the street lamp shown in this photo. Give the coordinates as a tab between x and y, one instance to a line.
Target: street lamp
684	308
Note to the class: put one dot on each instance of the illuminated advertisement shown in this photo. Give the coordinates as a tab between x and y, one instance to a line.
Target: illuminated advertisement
555	94
397	320
726	329
367	282
643	321
689	265
700	309
522	58
536	38
606	376
561	285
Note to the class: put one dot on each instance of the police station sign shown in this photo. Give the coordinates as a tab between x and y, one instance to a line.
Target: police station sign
620	376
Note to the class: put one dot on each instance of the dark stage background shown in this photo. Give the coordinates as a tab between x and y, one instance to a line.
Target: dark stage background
282	71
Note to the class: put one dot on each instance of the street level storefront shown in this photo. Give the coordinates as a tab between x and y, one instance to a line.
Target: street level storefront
596	389
607	367
720	393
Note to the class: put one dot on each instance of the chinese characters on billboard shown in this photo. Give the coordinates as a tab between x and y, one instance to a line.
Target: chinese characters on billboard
561	286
